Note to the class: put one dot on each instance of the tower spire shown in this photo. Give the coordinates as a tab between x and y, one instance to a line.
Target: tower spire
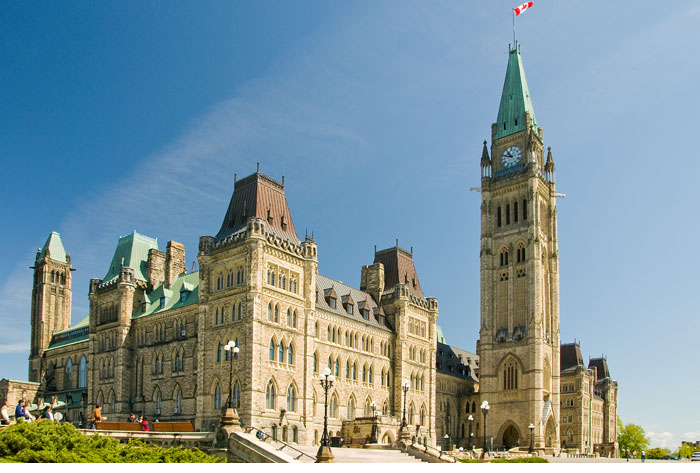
516	106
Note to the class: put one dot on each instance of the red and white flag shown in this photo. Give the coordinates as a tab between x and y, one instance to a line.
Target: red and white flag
518	10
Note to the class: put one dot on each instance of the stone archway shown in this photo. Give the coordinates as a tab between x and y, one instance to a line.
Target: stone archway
550	433
510	438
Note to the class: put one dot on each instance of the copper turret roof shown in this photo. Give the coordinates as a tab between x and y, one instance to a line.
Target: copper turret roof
259	196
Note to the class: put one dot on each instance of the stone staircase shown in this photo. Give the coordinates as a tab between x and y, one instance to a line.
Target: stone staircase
362	455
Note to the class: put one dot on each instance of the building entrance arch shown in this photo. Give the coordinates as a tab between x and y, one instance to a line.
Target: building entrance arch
510	438
550	433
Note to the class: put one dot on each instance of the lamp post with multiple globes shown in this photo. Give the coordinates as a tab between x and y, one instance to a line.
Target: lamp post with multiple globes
470	419
532	438
373	438
485	410
324	454
405	385
232	350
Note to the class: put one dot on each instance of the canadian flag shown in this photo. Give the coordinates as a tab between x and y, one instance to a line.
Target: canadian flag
518	10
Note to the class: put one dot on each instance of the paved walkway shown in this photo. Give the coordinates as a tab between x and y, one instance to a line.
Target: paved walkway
362	455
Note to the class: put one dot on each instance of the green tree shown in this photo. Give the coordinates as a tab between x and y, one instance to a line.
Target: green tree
632	437
685	451
51	442
657	453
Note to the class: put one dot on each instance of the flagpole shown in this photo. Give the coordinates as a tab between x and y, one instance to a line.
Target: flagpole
514	44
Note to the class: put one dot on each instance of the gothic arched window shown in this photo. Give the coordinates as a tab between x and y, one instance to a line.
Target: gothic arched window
68	379
291	399
510	375
270	395
82	372
217	396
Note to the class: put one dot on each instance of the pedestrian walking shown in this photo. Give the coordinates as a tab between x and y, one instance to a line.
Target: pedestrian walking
97	416
644	456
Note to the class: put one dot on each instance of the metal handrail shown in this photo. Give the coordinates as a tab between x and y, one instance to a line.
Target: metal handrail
266	436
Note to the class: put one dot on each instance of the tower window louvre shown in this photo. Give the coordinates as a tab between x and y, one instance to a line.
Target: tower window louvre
507	214
499	216
515	212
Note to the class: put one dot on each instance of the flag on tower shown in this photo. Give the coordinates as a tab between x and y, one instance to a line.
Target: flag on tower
519	9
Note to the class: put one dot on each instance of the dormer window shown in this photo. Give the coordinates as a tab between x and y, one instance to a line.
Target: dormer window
162	302
332	302
349	308
183	296
365	314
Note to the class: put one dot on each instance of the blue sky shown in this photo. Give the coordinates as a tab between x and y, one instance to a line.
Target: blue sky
136	115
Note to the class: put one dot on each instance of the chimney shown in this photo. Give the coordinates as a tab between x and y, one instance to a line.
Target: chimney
174	262
156	267
372	280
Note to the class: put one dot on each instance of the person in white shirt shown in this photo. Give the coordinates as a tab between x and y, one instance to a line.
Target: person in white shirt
4	413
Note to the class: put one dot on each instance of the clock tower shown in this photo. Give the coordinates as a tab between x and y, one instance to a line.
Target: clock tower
519	332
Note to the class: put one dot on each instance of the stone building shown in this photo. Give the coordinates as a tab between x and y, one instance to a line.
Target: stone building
154	340
155	336
588	404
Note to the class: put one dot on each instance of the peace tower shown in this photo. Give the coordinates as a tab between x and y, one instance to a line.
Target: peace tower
519	334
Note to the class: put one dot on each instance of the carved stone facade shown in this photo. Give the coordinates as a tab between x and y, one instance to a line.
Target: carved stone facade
154	341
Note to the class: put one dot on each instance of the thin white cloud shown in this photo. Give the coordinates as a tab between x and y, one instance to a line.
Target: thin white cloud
662	440
14	348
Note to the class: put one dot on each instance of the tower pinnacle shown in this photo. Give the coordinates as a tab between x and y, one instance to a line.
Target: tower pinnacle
515	99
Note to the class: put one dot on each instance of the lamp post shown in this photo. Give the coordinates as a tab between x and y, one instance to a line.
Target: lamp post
447	441
405	385
233	350
373	438
469	444
324	454
485	410
532	438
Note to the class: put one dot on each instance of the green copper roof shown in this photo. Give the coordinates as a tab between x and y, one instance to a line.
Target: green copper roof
131	252
515	99
77	333
440	336
172	297
55	247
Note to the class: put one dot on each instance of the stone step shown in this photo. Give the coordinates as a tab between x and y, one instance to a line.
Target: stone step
362	455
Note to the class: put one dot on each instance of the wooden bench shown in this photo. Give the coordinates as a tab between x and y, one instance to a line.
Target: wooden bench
128	426
172	427
155	426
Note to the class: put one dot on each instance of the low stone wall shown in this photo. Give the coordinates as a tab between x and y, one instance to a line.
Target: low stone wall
201	440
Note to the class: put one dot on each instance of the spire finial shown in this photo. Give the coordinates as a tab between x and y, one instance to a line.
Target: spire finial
258	171
397	243
485	159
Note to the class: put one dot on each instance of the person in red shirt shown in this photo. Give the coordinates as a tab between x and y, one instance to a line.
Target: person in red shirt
144	425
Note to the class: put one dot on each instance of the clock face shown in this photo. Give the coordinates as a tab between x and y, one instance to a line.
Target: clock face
511	156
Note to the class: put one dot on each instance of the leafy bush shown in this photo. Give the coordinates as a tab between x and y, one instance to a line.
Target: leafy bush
520	460
467	460
657	453
51	442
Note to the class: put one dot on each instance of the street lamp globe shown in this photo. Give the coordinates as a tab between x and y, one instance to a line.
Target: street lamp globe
470	418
